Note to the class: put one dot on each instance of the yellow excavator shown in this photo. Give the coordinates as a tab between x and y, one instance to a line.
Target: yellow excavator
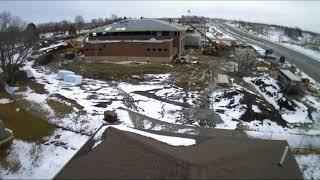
77	47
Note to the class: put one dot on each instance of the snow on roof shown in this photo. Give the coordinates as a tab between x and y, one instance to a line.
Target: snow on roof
290	75
152	40
138	25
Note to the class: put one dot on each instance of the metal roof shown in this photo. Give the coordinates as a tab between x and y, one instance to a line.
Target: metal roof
290	75
138	25
152	40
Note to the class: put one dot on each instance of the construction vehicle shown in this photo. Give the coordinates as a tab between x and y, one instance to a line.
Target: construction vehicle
210	50
221	45
77	47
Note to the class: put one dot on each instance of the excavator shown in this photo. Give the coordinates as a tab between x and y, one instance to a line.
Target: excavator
77	47
210	50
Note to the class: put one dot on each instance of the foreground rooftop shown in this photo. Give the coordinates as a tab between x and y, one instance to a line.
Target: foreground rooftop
125	154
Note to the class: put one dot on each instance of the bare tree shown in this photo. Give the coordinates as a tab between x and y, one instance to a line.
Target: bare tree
114	17
79	21
245	57
72	30
15	45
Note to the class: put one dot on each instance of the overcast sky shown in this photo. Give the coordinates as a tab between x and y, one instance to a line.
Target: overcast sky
303	14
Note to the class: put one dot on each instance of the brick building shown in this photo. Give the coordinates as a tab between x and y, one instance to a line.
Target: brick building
136	39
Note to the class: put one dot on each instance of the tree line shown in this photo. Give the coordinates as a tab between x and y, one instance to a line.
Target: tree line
79	23
292	32
17	38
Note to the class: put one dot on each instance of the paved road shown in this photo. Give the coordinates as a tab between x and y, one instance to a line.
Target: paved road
307	64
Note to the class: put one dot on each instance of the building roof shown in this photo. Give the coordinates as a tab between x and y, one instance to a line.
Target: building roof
138	25
152	40
290	75
128	155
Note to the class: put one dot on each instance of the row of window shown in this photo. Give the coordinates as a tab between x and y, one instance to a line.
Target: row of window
138	33
154	49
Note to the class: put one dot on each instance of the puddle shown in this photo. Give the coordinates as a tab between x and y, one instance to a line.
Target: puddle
24	125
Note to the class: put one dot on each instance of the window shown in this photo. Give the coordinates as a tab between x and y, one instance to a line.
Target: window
100	49
159	49
175	33
148	49
165	49
165	33
87	49
153	49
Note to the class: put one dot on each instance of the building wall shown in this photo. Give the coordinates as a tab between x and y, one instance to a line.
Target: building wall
123	50
178	40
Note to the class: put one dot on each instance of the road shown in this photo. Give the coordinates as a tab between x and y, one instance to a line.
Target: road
307	64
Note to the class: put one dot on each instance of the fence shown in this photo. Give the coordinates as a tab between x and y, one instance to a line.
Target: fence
295	141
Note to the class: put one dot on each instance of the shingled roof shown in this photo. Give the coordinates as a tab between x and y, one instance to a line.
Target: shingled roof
138	25
128	155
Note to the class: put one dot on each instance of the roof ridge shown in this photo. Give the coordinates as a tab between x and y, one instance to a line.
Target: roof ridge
150	148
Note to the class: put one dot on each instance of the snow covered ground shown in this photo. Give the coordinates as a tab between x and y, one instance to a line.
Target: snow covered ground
215	32
267	87
229	108
309	52
95	97
42	160
309	165
5	101
279	37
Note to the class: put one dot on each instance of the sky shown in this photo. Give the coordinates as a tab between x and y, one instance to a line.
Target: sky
302	14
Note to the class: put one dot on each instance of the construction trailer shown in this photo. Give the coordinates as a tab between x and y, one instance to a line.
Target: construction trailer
223	80
192	40
289	82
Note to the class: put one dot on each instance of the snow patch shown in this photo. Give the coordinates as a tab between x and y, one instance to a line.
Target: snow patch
5	101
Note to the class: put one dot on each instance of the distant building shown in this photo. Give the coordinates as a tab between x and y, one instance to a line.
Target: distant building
192	40
201	27
125	154
136	39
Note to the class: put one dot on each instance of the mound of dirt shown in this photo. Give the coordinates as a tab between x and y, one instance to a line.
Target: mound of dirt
267	110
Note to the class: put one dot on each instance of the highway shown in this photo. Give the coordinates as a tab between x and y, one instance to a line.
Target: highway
307	64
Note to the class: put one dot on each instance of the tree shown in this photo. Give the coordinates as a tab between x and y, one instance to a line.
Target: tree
72	30
245	57
79	21
32	32
14	45
114	17
100	21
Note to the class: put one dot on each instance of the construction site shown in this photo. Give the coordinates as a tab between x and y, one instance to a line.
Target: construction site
186	78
